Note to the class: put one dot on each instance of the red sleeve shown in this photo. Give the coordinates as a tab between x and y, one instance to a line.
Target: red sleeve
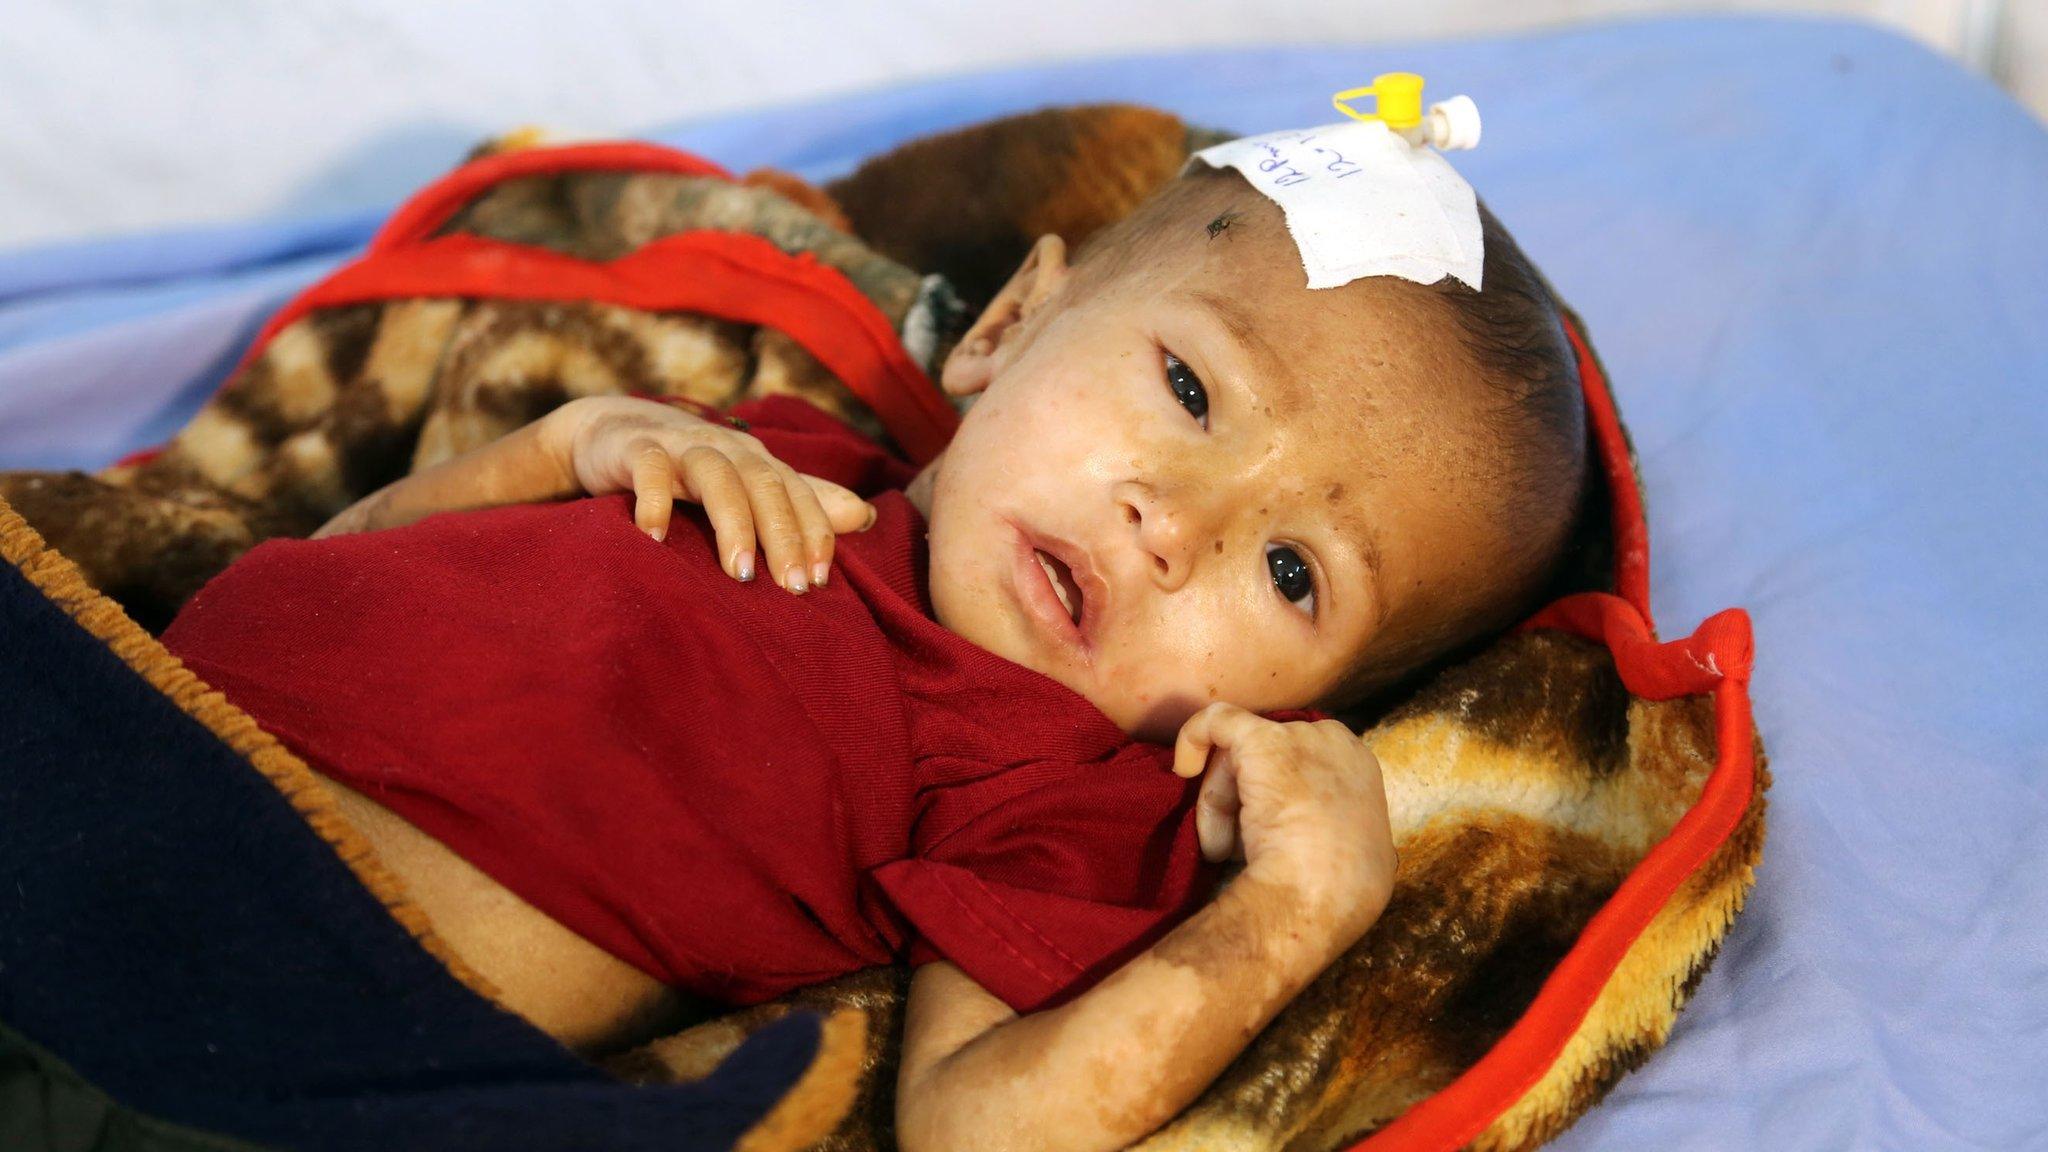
1039	880
810	440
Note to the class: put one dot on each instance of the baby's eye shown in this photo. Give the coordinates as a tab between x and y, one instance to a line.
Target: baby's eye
1187	389
1291	575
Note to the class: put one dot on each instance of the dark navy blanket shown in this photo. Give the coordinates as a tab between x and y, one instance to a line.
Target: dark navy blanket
172	930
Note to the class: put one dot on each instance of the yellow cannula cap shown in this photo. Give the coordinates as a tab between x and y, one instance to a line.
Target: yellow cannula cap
1397	100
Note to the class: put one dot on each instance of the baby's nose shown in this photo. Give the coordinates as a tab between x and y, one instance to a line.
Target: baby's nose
1169	530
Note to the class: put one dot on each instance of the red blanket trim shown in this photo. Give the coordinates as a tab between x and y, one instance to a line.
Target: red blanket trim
1715	658
140	456
733	276
729	275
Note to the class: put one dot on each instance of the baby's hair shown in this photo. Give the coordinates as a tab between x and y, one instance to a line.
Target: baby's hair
1514	329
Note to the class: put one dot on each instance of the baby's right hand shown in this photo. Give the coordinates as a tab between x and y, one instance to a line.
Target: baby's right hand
1302	802
662	454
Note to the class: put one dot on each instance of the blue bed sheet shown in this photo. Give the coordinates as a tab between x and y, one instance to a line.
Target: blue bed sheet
1815	258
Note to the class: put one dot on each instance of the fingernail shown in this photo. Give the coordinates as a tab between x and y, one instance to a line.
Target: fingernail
872	514
819	571
744	567
657	533
794	580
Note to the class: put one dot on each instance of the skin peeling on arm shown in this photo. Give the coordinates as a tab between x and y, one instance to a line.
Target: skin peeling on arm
1132	1052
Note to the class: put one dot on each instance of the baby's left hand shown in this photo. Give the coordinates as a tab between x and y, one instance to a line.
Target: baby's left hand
1304	803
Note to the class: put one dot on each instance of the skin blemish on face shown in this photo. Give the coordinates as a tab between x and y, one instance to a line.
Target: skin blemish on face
1219	547
1335	492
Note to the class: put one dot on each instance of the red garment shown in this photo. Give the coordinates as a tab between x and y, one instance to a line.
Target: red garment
737	790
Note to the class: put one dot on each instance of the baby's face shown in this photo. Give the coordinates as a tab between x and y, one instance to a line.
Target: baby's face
1195	480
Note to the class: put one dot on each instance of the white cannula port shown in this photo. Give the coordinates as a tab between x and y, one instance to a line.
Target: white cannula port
1453	124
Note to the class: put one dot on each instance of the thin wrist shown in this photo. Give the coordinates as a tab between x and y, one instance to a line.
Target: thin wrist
555	438
1297	924
1327	908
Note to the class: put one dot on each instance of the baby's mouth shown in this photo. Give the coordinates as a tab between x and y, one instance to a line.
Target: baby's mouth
1062	580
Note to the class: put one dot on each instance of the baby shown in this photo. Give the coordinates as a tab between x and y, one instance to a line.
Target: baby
1019	700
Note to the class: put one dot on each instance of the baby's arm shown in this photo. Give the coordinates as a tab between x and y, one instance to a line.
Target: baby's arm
1306	804
661	454
521	467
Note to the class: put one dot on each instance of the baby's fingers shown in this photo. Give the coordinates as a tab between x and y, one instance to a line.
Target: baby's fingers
812	525
1216	810
654	494
1218	724
846	511
711	480
775	522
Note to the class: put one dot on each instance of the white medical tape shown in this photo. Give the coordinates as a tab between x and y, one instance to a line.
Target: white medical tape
1362	201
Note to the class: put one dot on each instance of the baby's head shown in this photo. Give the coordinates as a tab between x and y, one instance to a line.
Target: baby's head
1190	478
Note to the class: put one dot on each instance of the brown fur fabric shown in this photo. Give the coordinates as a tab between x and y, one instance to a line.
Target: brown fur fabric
933	203
1524	783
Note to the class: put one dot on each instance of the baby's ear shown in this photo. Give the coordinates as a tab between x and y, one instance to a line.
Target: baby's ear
982	350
